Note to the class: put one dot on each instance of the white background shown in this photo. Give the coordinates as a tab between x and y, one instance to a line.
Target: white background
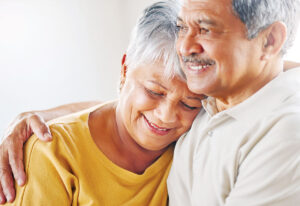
59	51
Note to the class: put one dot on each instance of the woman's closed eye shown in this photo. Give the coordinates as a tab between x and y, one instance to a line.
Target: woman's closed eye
189	107
154	93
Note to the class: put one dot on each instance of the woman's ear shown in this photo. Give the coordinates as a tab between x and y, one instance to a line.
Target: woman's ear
274	38
123	72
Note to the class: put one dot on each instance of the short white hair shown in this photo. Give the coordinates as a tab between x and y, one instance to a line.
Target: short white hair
153	38
257	15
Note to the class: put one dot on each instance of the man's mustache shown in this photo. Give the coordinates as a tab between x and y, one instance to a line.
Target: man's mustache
196	59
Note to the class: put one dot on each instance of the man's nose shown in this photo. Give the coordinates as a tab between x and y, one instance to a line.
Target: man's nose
190	44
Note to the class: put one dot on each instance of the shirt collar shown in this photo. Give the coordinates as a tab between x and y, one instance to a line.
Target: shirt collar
210	106
263	101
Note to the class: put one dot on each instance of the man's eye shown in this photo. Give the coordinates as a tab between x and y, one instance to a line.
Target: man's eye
181	28
189	107
204	31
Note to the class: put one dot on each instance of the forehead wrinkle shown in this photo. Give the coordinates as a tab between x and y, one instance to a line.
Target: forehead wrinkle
204	15
207	22
203	19
159	84
203	12
201	7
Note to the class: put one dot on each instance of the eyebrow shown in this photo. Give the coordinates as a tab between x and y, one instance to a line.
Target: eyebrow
179	19
201	21
207	22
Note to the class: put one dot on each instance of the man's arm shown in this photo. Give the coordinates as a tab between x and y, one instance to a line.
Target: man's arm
290	65
11	148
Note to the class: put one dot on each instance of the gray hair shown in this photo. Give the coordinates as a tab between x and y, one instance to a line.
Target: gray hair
257	15
153	38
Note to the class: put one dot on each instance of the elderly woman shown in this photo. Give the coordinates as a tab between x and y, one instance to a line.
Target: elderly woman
118	152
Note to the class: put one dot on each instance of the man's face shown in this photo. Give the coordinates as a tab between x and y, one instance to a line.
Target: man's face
214	51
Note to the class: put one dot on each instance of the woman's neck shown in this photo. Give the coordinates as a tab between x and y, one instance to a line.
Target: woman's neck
110	135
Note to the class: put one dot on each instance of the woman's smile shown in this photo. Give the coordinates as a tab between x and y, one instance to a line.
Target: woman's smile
155	128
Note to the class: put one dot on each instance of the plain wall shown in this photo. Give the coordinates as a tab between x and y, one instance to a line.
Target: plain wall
60	51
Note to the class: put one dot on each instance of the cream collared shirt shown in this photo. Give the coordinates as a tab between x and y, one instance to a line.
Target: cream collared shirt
248	155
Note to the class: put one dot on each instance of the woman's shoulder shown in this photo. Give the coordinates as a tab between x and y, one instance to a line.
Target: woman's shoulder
69	134
71	144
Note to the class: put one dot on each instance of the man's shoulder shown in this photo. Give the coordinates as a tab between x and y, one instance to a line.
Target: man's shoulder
287	117
291	79
281	125
288	108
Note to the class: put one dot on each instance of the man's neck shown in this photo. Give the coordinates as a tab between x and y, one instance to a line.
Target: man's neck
242	92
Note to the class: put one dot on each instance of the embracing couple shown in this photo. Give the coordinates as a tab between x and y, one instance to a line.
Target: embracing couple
208	114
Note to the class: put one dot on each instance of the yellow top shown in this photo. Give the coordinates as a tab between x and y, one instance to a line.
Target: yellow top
71	170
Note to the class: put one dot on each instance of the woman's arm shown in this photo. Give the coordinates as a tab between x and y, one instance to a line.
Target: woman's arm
11	148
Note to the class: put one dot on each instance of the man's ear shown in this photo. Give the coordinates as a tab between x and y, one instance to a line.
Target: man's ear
274	38
123	72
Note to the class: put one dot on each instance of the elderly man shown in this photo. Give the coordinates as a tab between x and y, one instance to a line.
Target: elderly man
244	149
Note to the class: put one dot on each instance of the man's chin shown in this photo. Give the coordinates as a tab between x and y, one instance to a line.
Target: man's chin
196	87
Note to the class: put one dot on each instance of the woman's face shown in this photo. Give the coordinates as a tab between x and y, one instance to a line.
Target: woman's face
155	110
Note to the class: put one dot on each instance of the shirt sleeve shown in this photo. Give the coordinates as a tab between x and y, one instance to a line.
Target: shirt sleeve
49	180
270	175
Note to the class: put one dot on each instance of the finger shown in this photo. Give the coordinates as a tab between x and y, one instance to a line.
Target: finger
15	156
2	196
40	128
7	184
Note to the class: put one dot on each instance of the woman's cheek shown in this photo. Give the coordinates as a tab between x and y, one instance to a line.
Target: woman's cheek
143	101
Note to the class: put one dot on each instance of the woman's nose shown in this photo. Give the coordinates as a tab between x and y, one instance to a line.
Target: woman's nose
166	112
